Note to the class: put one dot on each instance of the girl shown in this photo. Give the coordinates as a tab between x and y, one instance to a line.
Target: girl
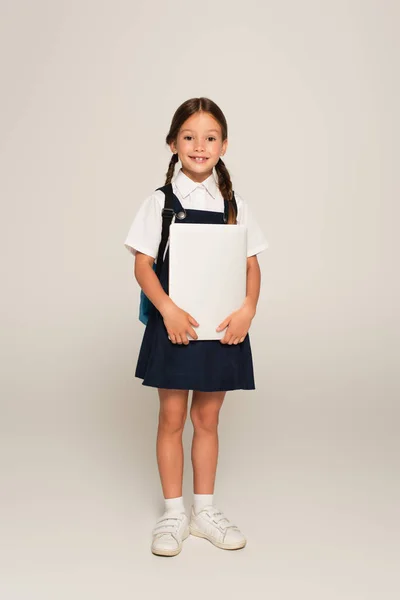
198	137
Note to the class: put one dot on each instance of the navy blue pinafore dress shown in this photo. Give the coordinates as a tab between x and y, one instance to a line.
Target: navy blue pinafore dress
204	365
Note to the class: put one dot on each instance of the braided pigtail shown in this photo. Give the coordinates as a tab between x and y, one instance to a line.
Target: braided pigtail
171	168
225	186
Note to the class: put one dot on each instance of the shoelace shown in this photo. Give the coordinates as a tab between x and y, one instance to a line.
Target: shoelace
218	517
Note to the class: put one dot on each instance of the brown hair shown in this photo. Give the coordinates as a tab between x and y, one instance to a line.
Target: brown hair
183	112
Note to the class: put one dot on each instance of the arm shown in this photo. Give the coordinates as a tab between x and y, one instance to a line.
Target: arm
238	323
149	282
253	284
178	323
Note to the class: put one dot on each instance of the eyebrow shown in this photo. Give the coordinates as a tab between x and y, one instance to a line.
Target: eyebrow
208	130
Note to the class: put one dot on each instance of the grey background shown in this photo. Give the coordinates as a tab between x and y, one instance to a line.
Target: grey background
308	464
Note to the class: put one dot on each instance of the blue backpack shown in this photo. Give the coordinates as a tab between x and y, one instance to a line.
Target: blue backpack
168	213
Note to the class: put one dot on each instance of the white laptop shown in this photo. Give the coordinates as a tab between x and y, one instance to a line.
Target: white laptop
207	272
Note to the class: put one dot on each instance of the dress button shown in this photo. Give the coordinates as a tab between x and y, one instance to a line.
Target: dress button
181	215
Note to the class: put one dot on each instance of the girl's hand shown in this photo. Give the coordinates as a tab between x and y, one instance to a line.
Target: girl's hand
238	324
178	324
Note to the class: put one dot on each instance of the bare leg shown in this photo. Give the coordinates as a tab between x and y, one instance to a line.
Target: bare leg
204	414
171	422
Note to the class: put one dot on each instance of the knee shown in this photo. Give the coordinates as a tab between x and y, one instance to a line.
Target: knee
172	420
204	419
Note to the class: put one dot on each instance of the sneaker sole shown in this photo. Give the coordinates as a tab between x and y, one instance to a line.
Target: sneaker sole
171	552
198	533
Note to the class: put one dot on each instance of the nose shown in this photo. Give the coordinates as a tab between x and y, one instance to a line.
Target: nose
199	146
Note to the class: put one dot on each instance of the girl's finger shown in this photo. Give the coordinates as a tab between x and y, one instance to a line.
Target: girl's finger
226	337
193	334
172	338
242	339
223	324
229	339
237	340
193	321
178	339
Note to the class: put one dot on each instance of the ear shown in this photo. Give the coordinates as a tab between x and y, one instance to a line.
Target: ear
173	147
224	146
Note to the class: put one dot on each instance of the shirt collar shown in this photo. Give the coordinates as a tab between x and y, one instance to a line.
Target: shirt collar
186	185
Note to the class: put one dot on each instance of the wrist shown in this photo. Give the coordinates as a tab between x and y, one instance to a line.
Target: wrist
250	306
165	306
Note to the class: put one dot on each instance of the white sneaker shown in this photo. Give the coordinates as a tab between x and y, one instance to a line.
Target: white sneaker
210	523
169	532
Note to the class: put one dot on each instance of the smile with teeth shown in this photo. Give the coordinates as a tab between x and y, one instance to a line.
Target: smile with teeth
199	159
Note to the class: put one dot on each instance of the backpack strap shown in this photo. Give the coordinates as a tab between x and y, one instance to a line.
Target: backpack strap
168	214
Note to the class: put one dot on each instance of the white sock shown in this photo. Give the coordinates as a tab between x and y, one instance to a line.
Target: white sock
202	500
174	504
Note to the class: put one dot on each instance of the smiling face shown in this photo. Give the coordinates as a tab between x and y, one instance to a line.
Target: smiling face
199	145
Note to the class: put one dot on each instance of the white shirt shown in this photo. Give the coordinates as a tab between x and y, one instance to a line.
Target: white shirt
145	232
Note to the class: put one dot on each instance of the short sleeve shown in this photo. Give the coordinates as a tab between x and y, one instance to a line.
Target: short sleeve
256	240
145	232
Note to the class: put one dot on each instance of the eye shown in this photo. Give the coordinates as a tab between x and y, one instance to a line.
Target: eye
189	137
